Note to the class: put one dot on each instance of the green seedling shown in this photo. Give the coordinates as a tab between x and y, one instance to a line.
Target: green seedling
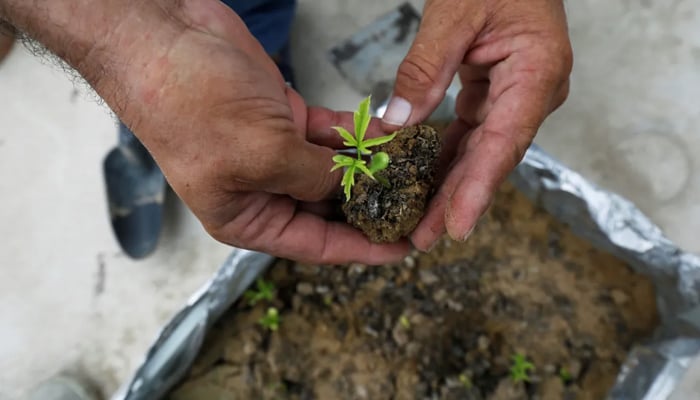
264	290
520	368
271	320
465	381
405	323
354	165
565	375
278	387
328	300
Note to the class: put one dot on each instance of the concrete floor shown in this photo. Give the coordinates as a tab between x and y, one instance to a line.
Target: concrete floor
70	299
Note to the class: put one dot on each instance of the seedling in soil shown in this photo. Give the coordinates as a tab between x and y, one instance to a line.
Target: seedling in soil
328	300
271	320
465	381
378	161
565	375
278	387
405	323
264	291
520	369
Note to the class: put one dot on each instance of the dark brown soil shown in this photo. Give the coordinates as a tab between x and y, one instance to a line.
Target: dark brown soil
386	214
442	325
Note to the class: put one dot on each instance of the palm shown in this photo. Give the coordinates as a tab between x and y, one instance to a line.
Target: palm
244	151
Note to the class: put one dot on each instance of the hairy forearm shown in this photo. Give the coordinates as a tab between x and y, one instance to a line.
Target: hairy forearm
101	39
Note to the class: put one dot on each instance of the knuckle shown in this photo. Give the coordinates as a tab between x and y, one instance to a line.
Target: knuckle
264	159
419	71
513	145
562	94
567	57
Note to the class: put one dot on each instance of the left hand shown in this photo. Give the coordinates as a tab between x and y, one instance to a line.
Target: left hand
514	59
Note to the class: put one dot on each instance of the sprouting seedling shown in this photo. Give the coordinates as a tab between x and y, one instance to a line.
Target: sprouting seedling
378	161
264	291
271	319
520	368
565	375
405	323
465	381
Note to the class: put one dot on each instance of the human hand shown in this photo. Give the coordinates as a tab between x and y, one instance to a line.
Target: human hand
242	149
513	58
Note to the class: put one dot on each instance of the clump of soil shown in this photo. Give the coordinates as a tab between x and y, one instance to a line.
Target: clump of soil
388	213
442	325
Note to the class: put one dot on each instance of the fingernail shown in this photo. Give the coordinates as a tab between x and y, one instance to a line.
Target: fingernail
432	246
466	235
397	112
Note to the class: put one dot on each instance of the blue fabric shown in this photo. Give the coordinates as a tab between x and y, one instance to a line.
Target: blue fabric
270	21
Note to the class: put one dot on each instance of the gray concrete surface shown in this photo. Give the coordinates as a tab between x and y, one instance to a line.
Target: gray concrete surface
69	299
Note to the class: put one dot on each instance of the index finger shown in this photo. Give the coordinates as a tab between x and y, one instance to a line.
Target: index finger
487	155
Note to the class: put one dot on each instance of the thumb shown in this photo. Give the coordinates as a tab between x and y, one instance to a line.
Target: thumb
303	169
446	32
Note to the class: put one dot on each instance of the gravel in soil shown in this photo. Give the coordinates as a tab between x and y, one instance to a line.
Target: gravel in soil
443	325
388	213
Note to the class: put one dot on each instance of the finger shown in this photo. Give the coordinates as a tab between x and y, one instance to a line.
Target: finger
495	148
328	210
300	169
273	224
297	166
432	225
446	32
320	125
473	102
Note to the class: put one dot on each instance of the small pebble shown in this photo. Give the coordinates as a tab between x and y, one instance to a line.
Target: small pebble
368	330
483	343
619	297
321	289
549	368
454	305
296	302
574	368
361	392
412	349
305	288
400	335
440	296
357	269
428	277
409	262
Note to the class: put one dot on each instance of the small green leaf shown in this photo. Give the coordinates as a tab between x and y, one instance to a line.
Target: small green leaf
520	368
378	140
363	150
379	162
347	193
364	169
342	161
271	319
348	177
349	139
348	181
362	118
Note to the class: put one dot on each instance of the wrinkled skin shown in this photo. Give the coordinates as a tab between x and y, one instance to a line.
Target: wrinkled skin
248	156
513	58
242	149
